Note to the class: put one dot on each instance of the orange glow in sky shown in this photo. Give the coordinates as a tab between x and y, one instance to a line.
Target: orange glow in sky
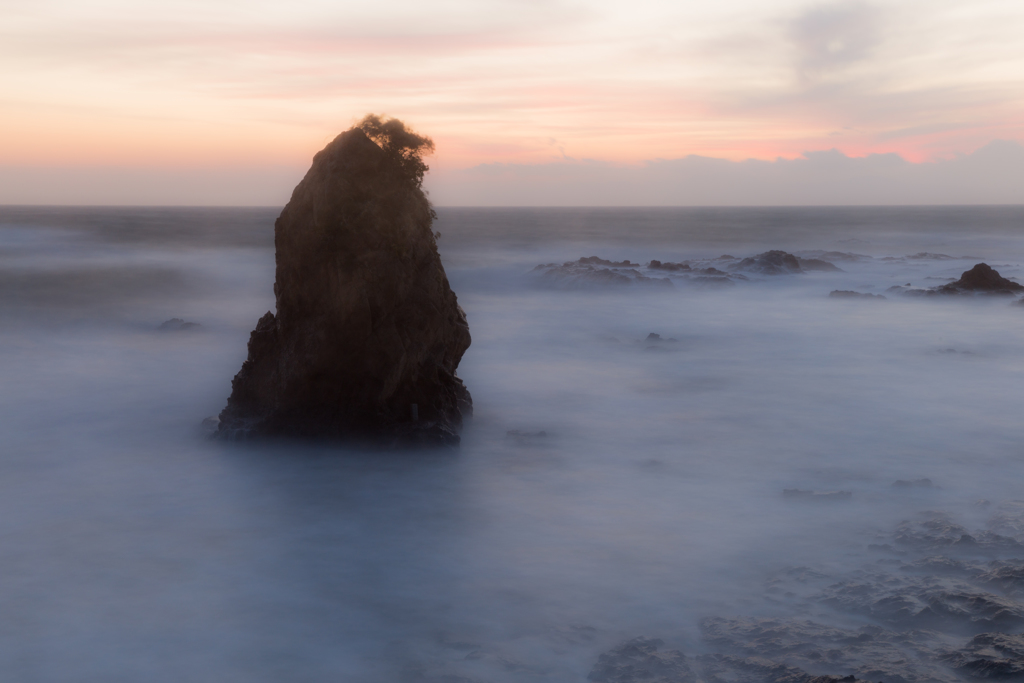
267	83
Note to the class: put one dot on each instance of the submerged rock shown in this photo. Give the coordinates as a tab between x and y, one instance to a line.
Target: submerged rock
800	494
849	294
178	325
730	669
869	652
998	656
368	334
937	533
639	660
940	604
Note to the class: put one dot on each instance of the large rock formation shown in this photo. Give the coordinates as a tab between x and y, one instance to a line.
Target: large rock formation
368	334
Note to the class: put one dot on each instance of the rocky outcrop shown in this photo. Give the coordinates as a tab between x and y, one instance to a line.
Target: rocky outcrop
773	262
368	333
777	262
669	266
590	272
981	278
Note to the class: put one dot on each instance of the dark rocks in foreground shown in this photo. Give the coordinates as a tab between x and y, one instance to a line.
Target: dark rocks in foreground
368	333
948	613
640	660
992	656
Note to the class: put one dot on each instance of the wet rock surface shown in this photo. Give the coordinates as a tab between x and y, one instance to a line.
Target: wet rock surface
992	656
368	333
924	603
640	660
939	532
868	652
936	609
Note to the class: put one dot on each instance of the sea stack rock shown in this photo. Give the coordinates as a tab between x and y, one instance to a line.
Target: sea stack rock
368	333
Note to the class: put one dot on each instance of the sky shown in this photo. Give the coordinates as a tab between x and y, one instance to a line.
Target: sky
528	101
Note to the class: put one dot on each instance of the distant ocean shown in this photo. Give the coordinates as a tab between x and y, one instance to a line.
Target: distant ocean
753	459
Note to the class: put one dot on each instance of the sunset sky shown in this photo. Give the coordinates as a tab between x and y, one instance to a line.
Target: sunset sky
246	92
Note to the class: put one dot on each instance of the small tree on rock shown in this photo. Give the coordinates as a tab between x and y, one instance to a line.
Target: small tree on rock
404	146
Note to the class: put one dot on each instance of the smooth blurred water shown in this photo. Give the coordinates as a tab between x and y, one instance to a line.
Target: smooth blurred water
133	548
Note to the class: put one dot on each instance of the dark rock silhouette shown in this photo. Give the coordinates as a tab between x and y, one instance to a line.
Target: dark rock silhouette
597	261
368	334
773	262
658	265
981	278
586	274
777	262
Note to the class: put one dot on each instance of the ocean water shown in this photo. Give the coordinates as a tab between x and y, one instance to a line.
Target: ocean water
608	487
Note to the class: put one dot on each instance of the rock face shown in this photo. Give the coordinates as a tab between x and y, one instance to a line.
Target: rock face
368	334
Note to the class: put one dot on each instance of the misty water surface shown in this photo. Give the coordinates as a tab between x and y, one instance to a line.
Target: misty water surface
134	548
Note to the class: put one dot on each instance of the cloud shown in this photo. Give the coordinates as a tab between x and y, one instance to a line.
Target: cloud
832	37
988	176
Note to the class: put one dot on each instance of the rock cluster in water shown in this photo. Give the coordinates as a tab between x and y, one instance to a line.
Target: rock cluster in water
593	272
943	604
981	279
368	333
